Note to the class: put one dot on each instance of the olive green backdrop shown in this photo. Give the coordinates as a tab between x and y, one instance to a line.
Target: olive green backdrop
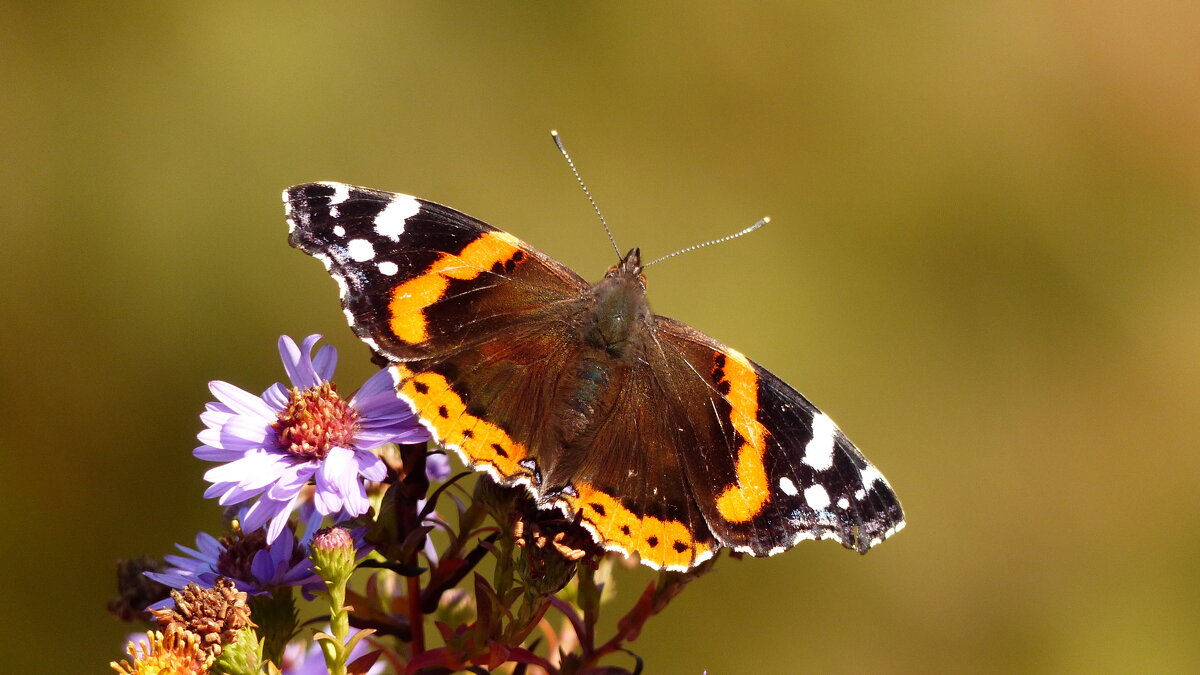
984	262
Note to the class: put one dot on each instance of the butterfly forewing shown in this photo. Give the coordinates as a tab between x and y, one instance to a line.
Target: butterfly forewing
418	279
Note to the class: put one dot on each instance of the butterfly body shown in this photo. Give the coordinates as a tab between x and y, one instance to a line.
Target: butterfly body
667	443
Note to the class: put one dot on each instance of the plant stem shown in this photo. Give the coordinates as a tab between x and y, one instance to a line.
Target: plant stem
339	628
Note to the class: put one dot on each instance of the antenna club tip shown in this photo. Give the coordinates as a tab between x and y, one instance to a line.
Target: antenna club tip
554	133
766	219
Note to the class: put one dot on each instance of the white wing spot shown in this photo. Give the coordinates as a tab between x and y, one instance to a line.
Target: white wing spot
843	503
871	475
819	452
341	192
788	487
360	250
338	230
388	268
860	494
343	289
390	221
817	497
349	317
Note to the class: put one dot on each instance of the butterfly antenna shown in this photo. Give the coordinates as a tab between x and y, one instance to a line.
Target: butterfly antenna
748	230
558	142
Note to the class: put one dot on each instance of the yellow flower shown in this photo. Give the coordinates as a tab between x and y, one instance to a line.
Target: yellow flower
176	653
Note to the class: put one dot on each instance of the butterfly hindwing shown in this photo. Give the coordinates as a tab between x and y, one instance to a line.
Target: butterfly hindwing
503	406
769	469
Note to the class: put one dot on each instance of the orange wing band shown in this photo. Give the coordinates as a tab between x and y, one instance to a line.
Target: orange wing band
662	543
411	298
443	410
744	500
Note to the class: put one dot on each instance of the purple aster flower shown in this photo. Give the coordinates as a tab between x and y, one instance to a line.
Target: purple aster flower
253	565
275	445
437	466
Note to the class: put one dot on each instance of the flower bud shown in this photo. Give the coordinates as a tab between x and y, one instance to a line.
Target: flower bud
333	554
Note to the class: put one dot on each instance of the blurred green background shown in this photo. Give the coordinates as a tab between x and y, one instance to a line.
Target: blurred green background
983	262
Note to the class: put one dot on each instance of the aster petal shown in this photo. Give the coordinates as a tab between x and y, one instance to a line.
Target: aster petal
325	362
276	396
291	480
254	469
337	478
371	439
370	466
218	489
211	454
215	419
179	560
217	406
215	438
384	408
355	503
326	500
297	361
240	401
289	353
311	519
281	519
236	494
173	579
378	385
265	566
238	432
284	491
209	545
260	512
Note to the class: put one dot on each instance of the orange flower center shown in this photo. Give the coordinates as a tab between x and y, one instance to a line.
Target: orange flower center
315	421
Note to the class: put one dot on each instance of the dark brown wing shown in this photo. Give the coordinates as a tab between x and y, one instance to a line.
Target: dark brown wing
626	474
505	405
767	468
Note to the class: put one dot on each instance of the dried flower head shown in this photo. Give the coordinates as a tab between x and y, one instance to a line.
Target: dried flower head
214	615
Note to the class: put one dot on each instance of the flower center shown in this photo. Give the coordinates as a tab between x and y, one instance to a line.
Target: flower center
315	421
235	561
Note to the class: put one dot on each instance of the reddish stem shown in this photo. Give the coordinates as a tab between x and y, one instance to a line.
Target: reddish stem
416	620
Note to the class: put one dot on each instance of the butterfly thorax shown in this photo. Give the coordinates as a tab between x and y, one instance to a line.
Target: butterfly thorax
619	310
614	327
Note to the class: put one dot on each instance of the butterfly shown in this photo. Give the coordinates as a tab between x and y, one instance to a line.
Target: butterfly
665	443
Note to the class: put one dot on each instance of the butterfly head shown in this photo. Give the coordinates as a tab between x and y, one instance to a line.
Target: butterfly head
630	267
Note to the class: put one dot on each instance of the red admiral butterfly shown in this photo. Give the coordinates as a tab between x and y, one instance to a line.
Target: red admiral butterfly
668	443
